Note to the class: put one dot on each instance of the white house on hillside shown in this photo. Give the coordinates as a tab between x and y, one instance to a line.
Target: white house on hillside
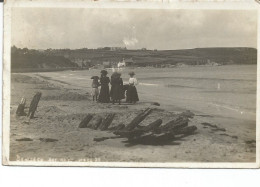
125	63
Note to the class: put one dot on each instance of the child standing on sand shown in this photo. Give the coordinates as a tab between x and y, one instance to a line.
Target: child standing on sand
95	85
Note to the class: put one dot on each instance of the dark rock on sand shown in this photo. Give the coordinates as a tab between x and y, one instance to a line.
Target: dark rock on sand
155	103
214	127
250	142
24	139
47	140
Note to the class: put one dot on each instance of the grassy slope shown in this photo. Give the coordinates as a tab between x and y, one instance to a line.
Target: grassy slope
64	58
189	56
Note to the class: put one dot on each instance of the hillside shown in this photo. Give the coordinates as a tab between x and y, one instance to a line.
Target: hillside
150	57
66	58
34	60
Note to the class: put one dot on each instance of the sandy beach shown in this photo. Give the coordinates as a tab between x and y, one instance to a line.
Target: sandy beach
65	102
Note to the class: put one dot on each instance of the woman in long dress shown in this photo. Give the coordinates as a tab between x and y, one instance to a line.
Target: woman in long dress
116	92
132	95
104	90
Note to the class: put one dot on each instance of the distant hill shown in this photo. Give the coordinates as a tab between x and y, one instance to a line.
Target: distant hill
33	59
229	55
150	57
55	58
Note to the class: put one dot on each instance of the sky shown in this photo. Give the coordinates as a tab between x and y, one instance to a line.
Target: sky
42	28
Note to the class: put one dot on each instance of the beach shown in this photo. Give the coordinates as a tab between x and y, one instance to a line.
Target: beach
224	96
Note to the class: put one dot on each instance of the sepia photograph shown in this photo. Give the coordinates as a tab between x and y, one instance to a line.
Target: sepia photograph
130	87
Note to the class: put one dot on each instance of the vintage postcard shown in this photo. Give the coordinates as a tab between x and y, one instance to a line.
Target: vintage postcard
130	84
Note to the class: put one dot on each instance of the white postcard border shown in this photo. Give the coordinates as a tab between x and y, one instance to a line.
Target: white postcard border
137	5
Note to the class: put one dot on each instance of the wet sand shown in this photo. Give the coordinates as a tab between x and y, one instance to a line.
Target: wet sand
63	105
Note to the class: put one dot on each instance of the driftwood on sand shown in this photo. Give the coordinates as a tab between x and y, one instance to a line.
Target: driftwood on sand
85	121
187	114
20	109
130	134
186	130
117	127
153	139
34	104
178	123
95	123
153	126
106	122
106	138
154	133
138	119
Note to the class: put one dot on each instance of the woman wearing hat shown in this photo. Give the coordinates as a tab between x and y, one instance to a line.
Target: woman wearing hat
116	92
104	90
132	96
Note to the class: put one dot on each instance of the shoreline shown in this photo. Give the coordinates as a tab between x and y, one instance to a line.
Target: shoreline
41	70
198	106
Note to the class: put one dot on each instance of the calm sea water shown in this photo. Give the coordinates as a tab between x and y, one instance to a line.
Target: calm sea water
221	90
217	90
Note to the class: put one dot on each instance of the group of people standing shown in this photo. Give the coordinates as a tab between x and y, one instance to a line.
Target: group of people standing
118	90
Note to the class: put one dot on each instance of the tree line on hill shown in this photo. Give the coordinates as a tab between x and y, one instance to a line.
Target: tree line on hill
73	58
36	59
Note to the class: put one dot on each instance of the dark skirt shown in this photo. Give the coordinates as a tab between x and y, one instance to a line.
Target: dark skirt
104	94
116	92
131	95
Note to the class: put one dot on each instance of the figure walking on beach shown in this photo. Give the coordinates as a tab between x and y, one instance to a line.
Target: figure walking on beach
132	96
104	90
116	92
95	85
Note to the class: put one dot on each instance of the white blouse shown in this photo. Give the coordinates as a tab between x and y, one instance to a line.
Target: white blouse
133	80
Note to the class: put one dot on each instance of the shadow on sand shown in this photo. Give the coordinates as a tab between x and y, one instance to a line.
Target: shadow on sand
155	141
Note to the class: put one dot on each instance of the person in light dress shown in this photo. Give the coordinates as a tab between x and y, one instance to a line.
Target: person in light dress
132	95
